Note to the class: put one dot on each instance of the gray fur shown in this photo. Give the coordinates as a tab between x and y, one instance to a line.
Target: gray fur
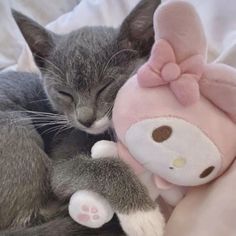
85	68
41	166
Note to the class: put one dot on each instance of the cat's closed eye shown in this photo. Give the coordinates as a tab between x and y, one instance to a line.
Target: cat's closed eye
66	96
103	88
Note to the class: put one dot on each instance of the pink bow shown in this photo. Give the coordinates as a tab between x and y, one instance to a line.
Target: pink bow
162	69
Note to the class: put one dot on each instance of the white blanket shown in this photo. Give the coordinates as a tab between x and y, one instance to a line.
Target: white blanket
68	15
217	16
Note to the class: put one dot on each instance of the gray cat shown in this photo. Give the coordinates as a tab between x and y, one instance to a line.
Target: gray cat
47	128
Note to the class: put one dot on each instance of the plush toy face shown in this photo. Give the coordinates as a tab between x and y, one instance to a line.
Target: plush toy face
175	150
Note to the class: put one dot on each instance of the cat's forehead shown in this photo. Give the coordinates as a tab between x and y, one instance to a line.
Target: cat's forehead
86	47
91	40
90	55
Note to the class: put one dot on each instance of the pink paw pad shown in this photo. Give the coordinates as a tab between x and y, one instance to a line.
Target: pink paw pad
94	210
83	217
88	213
89	209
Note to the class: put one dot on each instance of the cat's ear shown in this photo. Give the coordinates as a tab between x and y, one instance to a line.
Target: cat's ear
40	40
136	31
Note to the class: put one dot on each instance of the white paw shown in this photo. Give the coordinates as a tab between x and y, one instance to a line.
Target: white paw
143	223
104	148
90	209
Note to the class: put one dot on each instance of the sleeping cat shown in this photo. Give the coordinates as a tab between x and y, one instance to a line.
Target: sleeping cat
47	128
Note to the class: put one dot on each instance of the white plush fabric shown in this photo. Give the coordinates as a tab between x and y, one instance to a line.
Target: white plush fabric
178	159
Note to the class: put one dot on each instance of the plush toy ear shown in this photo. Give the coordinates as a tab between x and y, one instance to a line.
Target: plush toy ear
218	84
179	24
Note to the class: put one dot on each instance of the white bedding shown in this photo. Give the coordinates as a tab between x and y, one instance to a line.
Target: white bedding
62	16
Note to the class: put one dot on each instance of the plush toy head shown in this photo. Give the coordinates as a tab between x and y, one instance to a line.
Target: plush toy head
177	116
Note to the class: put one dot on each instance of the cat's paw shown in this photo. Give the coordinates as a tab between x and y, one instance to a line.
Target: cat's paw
104	148
90	209
143	223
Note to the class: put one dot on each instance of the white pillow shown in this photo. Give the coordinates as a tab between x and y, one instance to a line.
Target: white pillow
218	19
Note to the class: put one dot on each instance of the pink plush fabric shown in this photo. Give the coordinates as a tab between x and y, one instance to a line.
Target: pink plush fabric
175	22
220	88
162	68
175	86
177	82
147	103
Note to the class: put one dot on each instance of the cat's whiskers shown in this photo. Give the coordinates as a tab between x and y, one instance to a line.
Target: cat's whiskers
40	100
113	56
40	120
52	64
52	125
40	113
55	128
68	78
37	123
109	111
63	129
52	74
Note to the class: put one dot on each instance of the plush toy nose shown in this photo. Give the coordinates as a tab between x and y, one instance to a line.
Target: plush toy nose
179	162
170	72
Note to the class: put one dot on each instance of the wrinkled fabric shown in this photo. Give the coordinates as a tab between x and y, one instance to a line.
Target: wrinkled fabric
61	17
218	19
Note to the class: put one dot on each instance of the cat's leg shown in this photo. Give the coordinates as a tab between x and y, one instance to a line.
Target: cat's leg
24	172
112	179
87	207
131	223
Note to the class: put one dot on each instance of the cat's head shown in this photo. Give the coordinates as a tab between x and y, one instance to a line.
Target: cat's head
83	70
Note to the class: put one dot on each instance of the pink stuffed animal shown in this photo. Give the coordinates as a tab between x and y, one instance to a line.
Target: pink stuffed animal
175	119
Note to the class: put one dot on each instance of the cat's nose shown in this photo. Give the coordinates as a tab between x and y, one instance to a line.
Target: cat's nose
86	116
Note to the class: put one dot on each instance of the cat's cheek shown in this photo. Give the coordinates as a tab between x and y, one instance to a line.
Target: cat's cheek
61	106
99	126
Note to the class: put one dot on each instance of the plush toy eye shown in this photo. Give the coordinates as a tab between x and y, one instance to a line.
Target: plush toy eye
206	172
162	133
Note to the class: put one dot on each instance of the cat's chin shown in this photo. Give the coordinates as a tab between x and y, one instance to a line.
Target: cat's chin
98	127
